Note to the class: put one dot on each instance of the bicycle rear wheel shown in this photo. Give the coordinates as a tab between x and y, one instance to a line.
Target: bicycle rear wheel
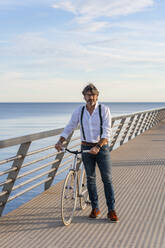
69	198
84	197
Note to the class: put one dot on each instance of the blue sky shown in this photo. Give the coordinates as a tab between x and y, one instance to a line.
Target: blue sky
50	49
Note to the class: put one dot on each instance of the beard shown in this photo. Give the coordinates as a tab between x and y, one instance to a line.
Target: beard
91	102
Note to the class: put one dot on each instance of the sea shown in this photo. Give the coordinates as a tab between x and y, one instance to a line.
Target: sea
19	119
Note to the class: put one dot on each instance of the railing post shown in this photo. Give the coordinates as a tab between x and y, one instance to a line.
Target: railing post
13	175
127	129
134	127
156	118
163	114
140	124
117	134
57	164
159	115
144	123
147	117
152	123
150	117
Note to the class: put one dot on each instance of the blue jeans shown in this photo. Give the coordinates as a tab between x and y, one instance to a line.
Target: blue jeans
104	163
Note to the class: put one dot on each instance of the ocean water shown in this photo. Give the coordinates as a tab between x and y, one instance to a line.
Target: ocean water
18	119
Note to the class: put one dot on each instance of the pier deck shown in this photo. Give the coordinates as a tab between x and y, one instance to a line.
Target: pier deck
139	178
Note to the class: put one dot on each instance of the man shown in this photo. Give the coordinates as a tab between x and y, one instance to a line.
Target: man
95	123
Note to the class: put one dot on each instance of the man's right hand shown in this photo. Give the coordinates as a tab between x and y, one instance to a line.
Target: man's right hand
58	146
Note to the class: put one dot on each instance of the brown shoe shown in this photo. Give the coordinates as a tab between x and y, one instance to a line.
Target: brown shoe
112	216
94	213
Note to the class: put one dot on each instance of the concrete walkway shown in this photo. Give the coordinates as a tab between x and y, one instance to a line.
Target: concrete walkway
139	181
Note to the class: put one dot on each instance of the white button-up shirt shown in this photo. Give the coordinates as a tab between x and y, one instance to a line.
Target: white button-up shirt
91	123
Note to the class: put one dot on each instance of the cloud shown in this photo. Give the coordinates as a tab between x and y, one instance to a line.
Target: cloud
90	15
65	5
87	10
56	51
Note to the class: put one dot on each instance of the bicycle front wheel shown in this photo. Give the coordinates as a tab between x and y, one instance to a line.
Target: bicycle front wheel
84	197
69	198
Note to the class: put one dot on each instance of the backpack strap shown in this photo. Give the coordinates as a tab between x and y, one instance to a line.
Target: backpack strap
82	112
101	121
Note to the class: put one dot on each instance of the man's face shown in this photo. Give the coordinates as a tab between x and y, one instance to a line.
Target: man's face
90	98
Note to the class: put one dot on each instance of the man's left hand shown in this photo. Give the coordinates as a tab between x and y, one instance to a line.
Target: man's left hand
94	150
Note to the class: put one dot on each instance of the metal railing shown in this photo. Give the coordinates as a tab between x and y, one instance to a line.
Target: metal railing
15	171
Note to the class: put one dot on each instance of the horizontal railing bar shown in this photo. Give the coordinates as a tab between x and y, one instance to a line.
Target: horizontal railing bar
3	193
40	150
66	162
7	171
30	163
61	171
28	189
6	182
32	179
28	154
37	169
44	149
67	155
38	160
29	138
10	159
31	153
136	113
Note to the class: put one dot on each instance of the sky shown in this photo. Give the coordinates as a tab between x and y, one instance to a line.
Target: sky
51	49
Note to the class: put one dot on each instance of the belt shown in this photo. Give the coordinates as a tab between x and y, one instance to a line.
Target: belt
88	143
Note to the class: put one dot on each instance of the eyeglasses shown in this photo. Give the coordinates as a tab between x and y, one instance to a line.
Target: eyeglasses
90	95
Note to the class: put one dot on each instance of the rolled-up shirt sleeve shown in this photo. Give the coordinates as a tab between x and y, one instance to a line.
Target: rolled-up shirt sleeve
73	123
107	118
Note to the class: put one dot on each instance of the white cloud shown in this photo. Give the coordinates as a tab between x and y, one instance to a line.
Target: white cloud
86	10
58	51
89	15
65	5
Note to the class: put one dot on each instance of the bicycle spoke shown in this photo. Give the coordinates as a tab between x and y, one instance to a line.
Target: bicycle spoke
84	197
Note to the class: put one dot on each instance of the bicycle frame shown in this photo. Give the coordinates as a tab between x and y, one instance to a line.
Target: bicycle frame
76	168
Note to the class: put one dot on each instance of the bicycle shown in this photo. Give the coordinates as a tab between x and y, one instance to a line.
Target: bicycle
75	185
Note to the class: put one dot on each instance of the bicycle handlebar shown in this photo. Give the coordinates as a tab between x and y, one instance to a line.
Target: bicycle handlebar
76	152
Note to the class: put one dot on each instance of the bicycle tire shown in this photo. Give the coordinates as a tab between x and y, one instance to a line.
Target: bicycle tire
84	197
69	198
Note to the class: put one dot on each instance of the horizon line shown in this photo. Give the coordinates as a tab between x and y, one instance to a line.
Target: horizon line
98	101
